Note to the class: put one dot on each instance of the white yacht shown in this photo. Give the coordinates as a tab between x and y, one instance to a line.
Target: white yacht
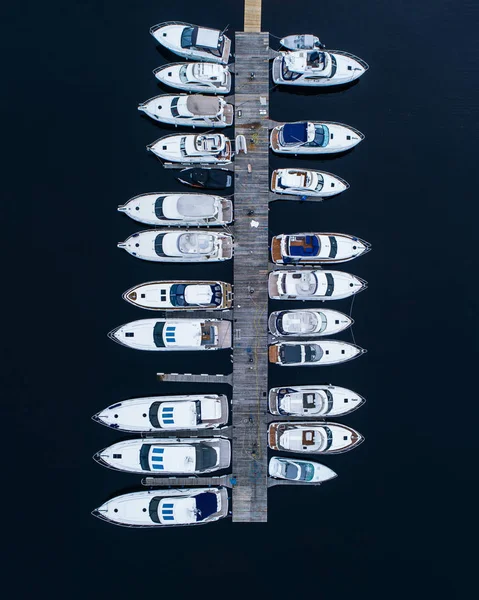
192	110
174	334
302	471
314	68
206	78
166	209
318	438
308	322
192	41
191	149
179	246
303	41
159	413
165	508
308	284
312	248
181	295
314	137
313	354
317	401
307	183
167	456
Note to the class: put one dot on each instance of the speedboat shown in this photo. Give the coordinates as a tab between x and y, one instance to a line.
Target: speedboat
311	67
313	354
167	456
303	471
179	209
192	41
314	137
318	401
192	110
311	248
159	413
174	334
318	438
214	179
204	149
303	41
308	284
309	322
307	183
165	508
182	245
181	295
206	78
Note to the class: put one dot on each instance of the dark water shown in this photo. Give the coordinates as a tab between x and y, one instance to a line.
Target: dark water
398	520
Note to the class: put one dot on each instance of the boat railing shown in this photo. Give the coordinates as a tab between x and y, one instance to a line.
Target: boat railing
166	23
362	62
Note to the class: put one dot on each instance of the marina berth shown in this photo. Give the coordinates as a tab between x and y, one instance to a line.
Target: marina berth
181	295
307	322
316	401
192	41
208	149
167	456
174	334
179	209
314	438
165	508
307	183
321	248
159	413
303	471
214	179
314	137
309	284
316	68
206	78
192	110
312	354
179	246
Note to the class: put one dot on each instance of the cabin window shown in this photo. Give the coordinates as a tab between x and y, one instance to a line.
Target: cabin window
143	295
117	456
129	334
346	401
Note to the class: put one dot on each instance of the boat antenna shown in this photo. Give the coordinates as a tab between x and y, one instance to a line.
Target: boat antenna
225	29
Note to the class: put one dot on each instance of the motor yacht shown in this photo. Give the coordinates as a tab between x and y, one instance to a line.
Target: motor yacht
191	110
302	471
320	248
174	334
307	183
181	295
165	508
206	78
313	354
309	322
192	41
316	401
179	209
214	179
167	456
190	149
308	284
159	413
314	137
317	438
182	245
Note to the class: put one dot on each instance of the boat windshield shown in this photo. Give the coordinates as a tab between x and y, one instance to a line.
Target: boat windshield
184	74
187	36
307	472
177	295
158	334
313	353
291	471
321	137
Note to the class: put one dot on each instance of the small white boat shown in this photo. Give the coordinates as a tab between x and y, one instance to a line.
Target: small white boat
313	354
317	438
166	209
309	284
303	41
307	183
159	413
191	149
312	248
192	110
303	471
181	295
206	78
179	246
167	456
192	41
165	508
314	68
309	322
314	137
174	334
316	401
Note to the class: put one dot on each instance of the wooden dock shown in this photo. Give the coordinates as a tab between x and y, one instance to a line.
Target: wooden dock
252	16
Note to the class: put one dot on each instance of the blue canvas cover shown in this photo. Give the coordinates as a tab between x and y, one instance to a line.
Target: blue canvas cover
206	505
294	133
310	247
